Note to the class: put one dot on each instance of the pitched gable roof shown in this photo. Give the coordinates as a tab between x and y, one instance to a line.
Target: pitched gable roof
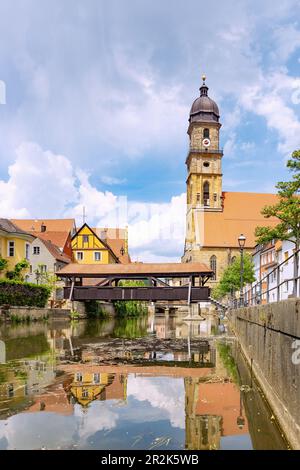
52	225
241	214
55	252
57	238
104	243
7	226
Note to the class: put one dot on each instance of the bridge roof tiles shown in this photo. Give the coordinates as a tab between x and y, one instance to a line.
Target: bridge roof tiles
133	270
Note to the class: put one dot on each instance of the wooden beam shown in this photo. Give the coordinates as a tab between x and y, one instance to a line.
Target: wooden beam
72	290
147	294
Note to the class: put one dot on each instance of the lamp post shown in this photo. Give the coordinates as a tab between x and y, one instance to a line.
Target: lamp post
242	241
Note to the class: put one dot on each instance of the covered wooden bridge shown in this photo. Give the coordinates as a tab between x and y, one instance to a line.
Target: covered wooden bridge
161	281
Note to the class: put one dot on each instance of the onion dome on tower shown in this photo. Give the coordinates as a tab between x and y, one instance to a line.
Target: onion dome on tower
204	108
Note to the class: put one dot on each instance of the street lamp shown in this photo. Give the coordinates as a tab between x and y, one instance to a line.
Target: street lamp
242	241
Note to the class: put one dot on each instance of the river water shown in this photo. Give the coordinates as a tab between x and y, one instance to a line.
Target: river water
149	383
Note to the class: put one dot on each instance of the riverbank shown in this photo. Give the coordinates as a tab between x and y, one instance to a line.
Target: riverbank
268	336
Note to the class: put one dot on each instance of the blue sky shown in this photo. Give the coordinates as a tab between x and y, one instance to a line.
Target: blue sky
98	95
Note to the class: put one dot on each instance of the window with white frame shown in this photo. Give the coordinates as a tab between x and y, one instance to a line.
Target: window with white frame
85	238
97	255
36	250
79	255
11	248
79	377
96	378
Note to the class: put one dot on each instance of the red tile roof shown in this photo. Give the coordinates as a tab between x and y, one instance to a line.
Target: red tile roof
158	269
57	238
241	214
52	225
55	252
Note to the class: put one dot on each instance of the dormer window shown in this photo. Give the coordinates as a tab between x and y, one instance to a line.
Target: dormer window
206	133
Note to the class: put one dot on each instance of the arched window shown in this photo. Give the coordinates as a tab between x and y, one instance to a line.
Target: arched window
206	193
206	133
213	266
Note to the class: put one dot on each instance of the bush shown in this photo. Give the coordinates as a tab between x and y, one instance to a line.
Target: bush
18	293
130	308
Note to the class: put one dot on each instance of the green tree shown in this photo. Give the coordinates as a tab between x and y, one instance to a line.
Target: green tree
18	271
3	264
45	278
287	211
130	308
230	281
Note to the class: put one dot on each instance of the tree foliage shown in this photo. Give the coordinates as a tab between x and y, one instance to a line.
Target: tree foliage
287	210
3	264
130	308
18	271
45	278
230	281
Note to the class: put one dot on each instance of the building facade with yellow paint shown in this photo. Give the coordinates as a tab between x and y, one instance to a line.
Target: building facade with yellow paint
89	386
88	248
14	244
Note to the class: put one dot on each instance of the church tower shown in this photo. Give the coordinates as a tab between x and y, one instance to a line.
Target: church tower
204	180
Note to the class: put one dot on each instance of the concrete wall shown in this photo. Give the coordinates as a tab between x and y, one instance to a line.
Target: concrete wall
33	313
269	336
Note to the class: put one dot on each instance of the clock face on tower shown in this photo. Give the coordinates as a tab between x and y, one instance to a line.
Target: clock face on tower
206	142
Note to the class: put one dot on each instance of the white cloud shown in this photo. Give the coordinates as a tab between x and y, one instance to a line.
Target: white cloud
161	393
39	181
43	184
271	98
111	180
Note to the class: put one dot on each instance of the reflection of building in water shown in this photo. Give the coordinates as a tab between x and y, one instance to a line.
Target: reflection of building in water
88	386
27	378
213	410
54	400
196	329
165	326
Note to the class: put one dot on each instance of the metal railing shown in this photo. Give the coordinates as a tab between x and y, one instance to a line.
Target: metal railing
260	291
204	150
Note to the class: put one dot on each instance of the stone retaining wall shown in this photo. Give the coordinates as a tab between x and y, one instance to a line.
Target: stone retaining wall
34	313
269	336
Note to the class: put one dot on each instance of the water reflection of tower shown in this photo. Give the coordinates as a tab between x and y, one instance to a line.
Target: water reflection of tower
202	432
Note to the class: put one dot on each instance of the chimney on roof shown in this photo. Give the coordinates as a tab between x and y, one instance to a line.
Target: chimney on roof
43	228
